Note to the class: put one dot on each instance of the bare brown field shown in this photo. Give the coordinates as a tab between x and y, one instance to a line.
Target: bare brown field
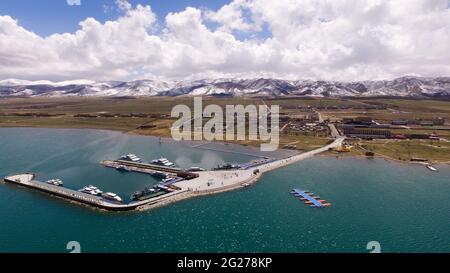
62	113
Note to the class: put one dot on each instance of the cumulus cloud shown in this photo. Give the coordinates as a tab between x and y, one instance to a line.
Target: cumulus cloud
232	17
316	39
123	5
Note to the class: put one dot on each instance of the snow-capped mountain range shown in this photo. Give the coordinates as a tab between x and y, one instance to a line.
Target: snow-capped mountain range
407	86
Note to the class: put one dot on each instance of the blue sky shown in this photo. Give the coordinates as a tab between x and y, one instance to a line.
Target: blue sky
46	17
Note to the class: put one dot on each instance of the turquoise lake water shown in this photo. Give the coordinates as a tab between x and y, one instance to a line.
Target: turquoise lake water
404	207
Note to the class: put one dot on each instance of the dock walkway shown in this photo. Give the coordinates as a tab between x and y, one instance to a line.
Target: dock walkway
28	180
305	195
149	166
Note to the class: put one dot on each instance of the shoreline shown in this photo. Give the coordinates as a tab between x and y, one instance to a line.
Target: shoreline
231	180
196	142
387	158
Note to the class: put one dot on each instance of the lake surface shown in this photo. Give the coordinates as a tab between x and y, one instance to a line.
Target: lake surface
406	208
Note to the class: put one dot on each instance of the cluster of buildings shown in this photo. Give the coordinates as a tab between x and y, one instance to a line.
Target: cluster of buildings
306	128
306	108
422	122
307	124
366	128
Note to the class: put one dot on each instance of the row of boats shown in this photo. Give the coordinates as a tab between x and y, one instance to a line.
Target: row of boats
163	187
160	161
158	174
110	196
92	190
227	166
153	191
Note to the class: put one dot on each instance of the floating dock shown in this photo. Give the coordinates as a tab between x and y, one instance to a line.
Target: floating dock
131	168
150	169
28	180
310	199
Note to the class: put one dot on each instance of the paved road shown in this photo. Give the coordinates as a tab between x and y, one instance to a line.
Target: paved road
334	132
215	180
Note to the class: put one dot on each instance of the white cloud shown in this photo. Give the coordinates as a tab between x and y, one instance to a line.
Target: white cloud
123	5
232	17
321	39
73	2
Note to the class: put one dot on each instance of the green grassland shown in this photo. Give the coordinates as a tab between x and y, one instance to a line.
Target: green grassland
404	150
396	109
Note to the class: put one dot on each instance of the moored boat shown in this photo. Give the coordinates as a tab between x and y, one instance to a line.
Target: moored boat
109	196
132	158
91	190
139	195
55	182
226	166
122	168
159	174
195	169
163	162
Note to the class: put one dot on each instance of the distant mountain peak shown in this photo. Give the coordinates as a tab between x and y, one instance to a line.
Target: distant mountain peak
406	86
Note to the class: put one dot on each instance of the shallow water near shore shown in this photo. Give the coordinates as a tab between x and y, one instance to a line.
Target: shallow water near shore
404	207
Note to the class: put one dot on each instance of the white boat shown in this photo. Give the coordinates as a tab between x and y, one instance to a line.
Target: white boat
91	190
162	187
55	182
167	180
163	162
97	192
86	190
122	168
195	169
431	168
131	157
112	197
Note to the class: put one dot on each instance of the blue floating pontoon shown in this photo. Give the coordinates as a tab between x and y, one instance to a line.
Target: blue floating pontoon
305	195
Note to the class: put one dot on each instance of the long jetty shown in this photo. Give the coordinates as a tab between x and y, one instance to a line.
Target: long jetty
28	180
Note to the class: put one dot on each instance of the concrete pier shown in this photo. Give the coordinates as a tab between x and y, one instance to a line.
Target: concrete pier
28	180
218	180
